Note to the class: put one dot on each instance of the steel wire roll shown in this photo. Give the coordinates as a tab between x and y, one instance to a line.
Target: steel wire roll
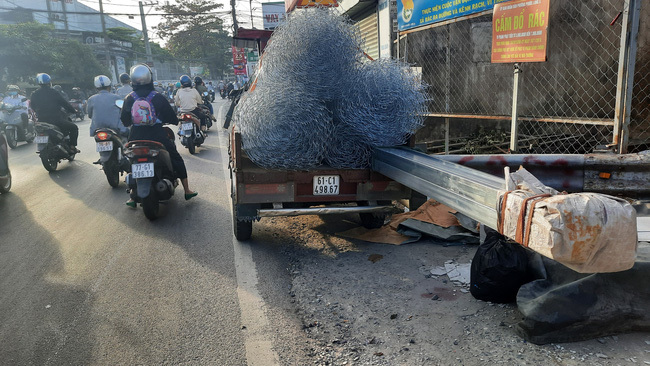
318	100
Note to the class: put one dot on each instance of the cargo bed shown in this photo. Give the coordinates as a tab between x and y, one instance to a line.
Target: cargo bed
258	192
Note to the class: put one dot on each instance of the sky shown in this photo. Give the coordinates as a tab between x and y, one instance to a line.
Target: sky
131	6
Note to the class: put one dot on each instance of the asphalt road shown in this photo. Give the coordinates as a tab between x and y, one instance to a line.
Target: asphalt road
84	279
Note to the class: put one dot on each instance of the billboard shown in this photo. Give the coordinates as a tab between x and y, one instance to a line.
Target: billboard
273	14
416	13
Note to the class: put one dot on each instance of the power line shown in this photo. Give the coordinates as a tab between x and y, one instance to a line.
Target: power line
185	13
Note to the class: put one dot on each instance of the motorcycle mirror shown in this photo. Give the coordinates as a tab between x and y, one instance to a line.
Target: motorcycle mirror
119	103
205	93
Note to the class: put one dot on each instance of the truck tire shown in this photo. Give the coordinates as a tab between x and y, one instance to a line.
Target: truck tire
241	228
371	220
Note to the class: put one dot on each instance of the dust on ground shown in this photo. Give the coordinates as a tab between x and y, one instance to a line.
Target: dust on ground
376	304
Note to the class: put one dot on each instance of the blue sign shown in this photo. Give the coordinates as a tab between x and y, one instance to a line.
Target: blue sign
416	13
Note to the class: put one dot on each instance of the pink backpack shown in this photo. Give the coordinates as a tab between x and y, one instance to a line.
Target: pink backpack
142	111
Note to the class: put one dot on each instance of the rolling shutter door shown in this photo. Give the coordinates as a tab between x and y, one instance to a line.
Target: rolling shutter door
370	33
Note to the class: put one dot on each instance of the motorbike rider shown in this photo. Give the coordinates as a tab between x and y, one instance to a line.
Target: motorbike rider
15	99
78	94
142	81
102	109
201	88
188	99
126	87
59	89
47	104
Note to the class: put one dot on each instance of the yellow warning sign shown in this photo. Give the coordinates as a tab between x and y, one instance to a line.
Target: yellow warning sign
316	4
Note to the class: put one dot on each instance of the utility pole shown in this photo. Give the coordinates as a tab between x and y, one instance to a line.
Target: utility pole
234	17
106	49
251	7
147	47
65	19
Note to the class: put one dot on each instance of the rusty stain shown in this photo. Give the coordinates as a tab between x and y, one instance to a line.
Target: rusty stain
465	159
532	160
581	235
497	160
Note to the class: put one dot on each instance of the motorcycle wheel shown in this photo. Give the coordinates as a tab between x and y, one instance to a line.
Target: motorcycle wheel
11	140
190	145
49	163
29	140
4	188
151	206
112	173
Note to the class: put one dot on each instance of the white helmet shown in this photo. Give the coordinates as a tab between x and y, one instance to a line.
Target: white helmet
102	81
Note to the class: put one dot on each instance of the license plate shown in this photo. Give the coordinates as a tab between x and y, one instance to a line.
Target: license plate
326	185
187	126
104	146
142	170
41	139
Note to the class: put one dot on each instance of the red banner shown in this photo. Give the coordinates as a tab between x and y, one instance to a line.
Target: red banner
239	60
519	30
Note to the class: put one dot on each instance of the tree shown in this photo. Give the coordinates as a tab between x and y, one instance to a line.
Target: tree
194	30
29	48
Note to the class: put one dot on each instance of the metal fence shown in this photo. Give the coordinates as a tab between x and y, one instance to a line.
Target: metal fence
572	103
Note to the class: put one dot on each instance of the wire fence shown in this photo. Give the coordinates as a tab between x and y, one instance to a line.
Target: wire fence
566	105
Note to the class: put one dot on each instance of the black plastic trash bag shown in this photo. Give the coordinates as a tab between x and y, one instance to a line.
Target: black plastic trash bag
499	269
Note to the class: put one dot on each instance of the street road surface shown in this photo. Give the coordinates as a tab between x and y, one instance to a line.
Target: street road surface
84	279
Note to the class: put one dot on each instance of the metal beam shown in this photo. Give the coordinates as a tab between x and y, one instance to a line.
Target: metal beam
468	191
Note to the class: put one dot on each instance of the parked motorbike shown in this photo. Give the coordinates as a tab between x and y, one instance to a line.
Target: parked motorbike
80	107
5	173
13	125
52	146
151	180
190	132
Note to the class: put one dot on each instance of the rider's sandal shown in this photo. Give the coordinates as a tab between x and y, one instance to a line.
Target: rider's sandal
189	196
131	203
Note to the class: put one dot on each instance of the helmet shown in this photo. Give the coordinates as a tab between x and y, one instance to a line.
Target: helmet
125	78
102	81
141	75
155	83
13	90
58	88
186	81
43	79
198	80
178	84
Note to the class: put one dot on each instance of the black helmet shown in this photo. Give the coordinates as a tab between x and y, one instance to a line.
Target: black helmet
198	80
185	81
125	78
141	75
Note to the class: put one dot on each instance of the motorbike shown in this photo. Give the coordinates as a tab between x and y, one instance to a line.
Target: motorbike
152	180
223	93
205	108
52	146
111	157
190	132
80	107
211	94
5	173
13	125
